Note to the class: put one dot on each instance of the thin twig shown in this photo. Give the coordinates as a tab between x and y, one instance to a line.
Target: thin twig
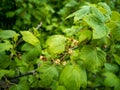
39	25
25	74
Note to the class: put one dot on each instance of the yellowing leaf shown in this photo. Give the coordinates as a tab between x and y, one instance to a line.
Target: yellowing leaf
30	38
56	44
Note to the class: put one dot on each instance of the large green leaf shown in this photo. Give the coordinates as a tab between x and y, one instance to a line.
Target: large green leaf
73	77
80	13
7	34
92	57
47	76
30	38
32	52
98	14
111	80
99	29
56	44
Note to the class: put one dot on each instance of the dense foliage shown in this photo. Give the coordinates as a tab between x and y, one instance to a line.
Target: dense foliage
60	45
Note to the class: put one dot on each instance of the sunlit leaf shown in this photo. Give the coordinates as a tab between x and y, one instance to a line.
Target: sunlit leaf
30	38
6	45
85	35
56	44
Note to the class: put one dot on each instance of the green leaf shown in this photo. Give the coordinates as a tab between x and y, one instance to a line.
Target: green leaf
56	44
6	34
106	7
75	54
33	81
4	60
111	67
117	59
21	86
85	35
6	45
61	88
4	72
71	3
98	14
92	57
47	76
32	52
111	80
10	14
80	13
27	47
99	29
30	38
115	16
72	31
115	32
73	77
